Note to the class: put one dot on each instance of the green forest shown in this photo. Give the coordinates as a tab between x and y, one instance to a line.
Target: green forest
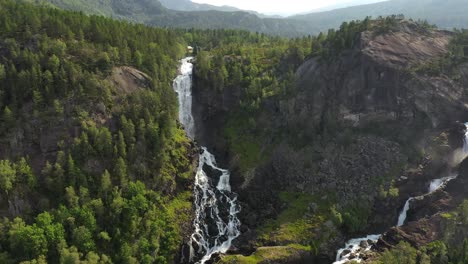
111	184
102	176
91	172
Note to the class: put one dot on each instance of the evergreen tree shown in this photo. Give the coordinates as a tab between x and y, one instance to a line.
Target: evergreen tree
106	182
120	172
7	176
8	117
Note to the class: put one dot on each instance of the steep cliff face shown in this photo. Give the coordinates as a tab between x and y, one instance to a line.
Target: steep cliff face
210	108
375	81
359	134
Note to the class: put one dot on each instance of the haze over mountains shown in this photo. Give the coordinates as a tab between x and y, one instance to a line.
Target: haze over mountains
345	4
443	13
186	14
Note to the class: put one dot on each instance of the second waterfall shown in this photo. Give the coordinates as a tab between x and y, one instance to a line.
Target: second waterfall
216	223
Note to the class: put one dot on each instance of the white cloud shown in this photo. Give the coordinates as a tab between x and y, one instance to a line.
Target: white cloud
283	6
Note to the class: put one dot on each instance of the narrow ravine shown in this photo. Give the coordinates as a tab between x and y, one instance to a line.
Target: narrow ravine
354	247
216	224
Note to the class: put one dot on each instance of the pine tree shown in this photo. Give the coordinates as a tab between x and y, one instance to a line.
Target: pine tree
2	72
121	172
71	197
7	176
8	117
25	173
121	146
73	172
106	182
138	59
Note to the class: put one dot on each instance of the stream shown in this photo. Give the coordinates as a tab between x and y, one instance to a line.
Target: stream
216	224
351	250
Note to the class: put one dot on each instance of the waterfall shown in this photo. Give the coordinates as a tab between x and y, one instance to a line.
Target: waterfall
183	87
465	146
216	224
354	247
404	212
439	183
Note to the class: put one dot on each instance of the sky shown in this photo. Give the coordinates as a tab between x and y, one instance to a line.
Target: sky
285	7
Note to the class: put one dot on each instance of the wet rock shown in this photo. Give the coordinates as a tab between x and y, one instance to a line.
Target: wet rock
233	250
345	252
364	244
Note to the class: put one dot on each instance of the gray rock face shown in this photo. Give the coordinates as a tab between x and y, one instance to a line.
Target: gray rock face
373	81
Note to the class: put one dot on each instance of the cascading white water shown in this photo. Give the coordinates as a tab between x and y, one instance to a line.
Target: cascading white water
216	207
435	185
216	224
465	146
404	212
439	183
183	87
353	246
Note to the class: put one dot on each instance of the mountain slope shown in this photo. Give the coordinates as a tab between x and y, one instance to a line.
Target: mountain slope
445	14
134	10
152	12
93	166
187	5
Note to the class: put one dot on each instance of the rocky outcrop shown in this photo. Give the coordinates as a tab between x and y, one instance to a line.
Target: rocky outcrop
210	108
128	79
374	82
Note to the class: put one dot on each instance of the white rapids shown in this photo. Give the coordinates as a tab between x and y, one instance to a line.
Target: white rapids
216	224
353	246
440	183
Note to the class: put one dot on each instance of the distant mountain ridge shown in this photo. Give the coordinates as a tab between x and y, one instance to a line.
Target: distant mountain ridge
443	13
190	6
152	12
187	5
349	3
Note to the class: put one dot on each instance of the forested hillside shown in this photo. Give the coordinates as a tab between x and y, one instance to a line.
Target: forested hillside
325	136
445	14
152	12
187	5
90	169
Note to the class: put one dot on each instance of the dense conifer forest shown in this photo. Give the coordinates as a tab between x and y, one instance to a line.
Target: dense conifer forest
93	172
111	188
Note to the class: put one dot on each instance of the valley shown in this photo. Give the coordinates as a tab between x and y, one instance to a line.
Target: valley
219	136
